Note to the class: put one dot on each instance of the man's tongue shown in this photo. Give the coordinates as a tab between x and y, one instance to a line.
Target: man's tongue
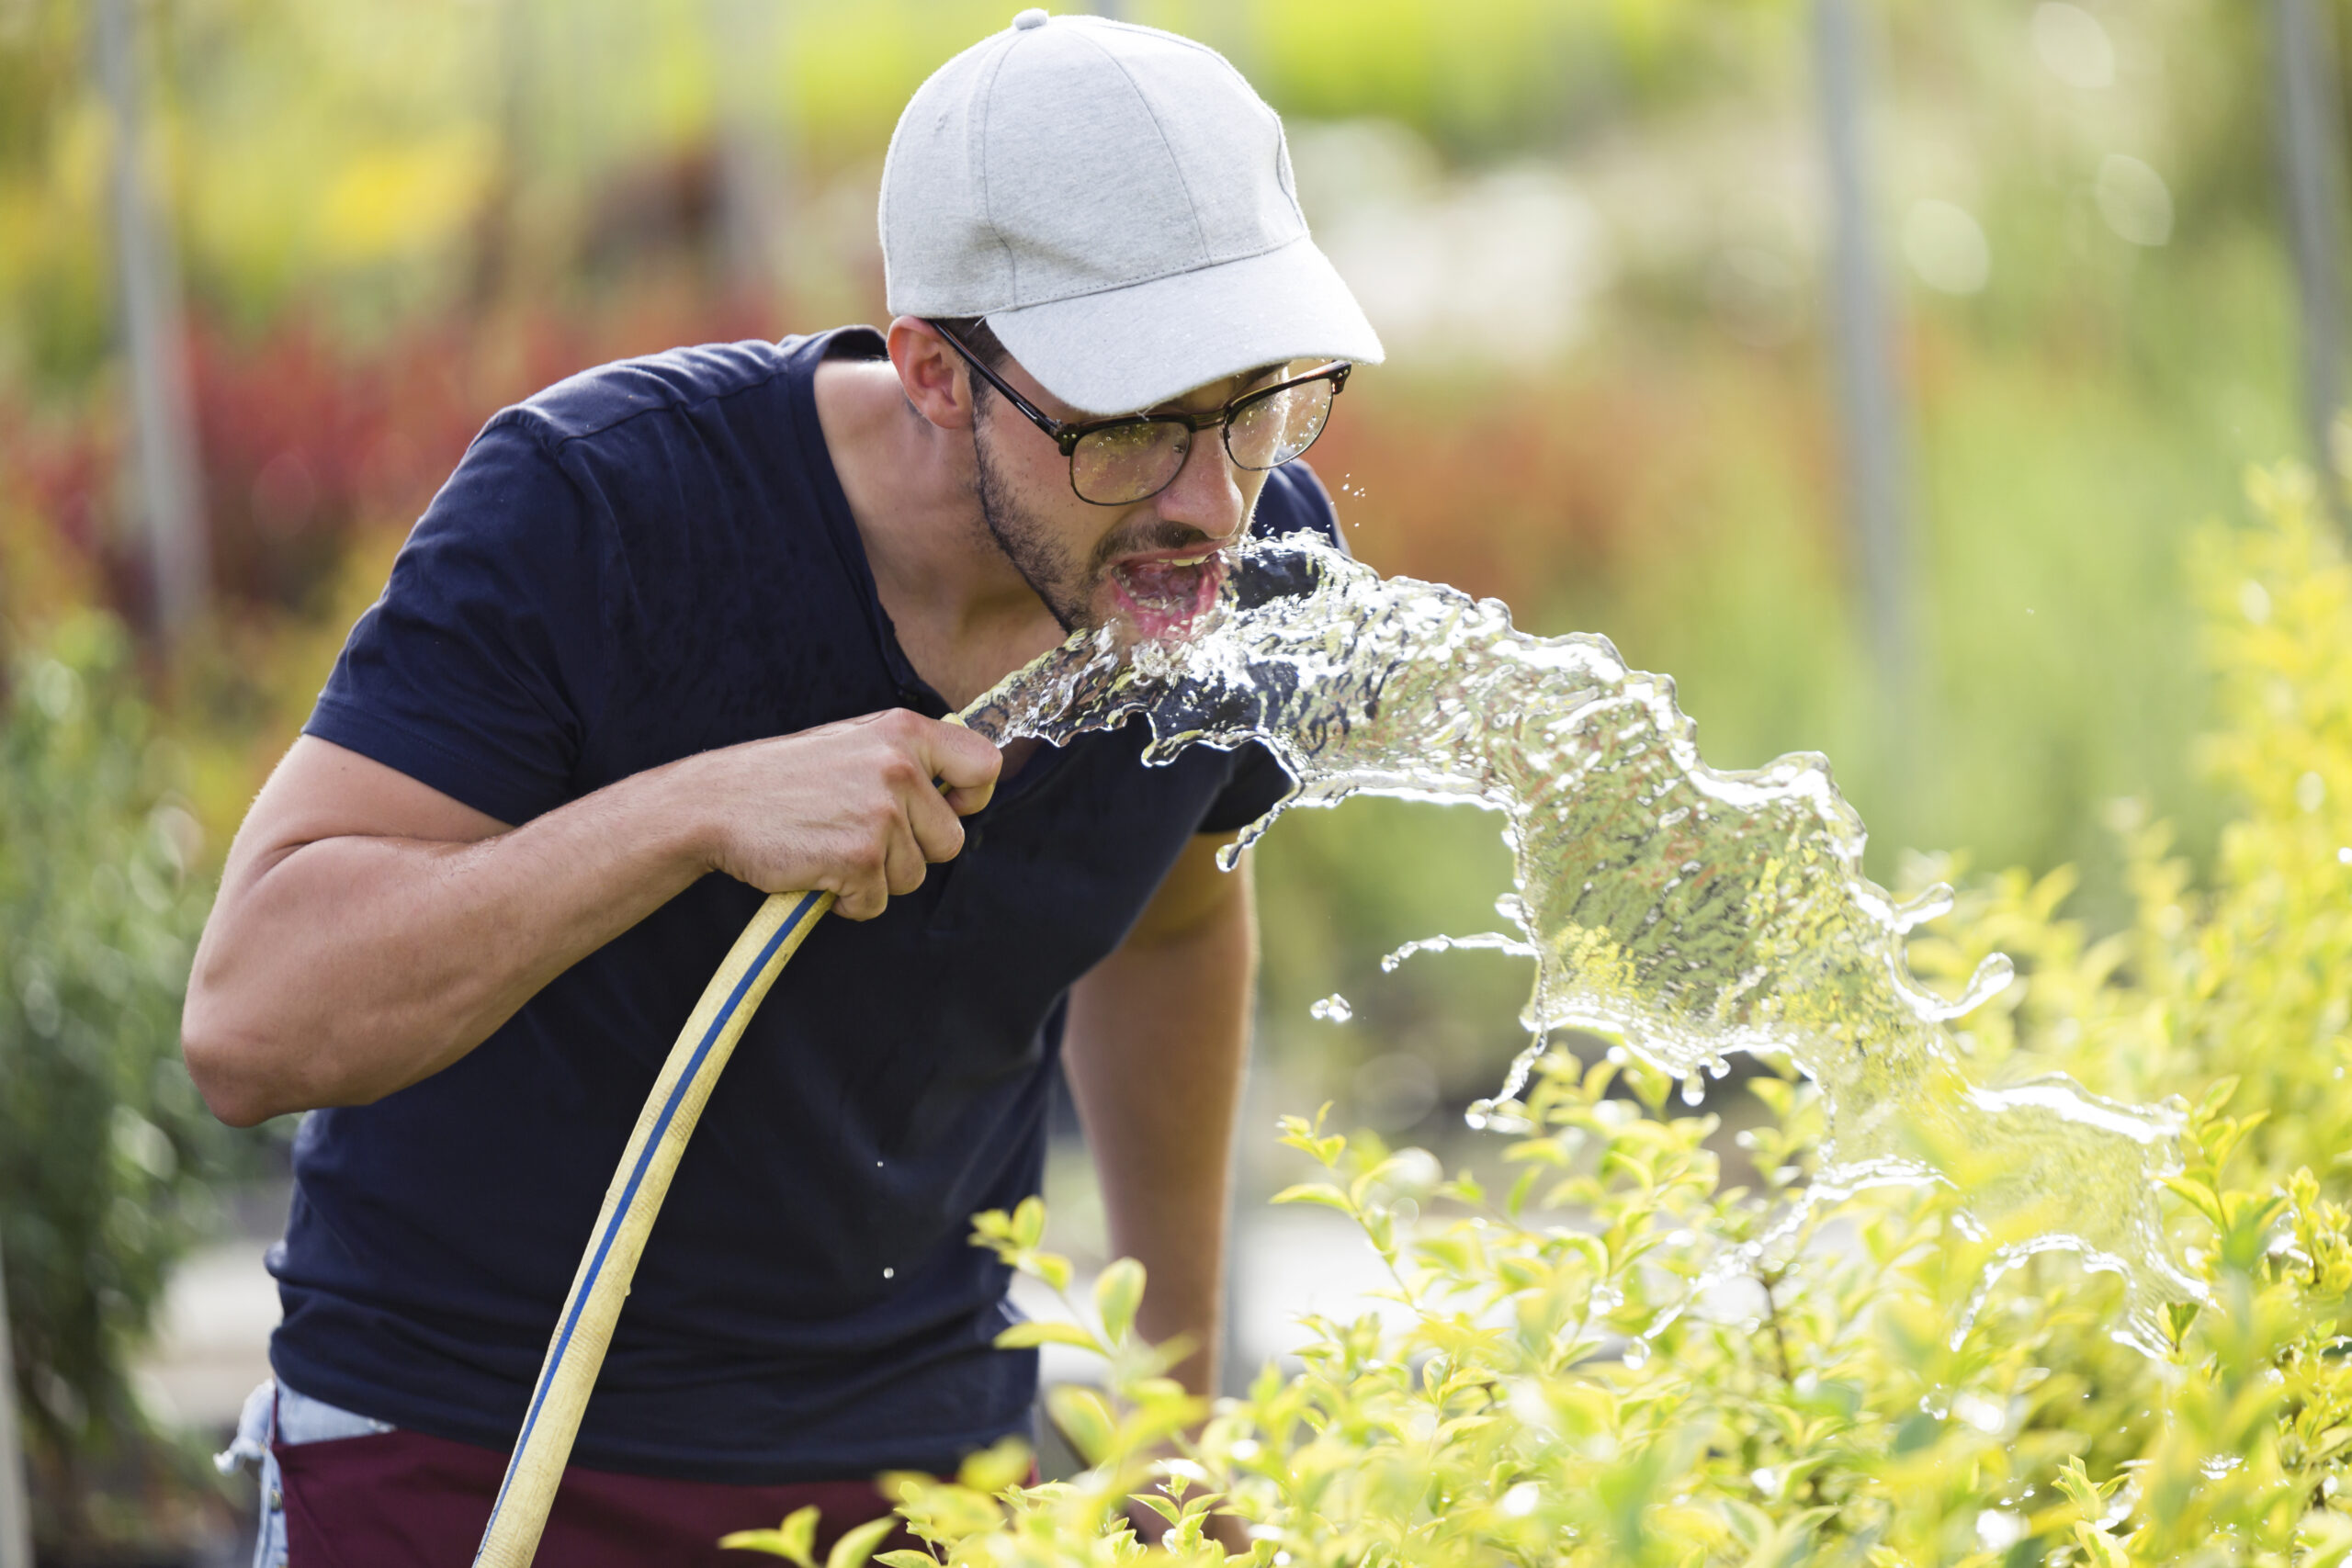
1161	596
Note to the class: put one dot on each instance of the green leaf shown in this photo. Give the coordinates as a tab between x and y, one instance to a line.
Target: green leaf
769	1541
1006	1462
1118	1294
2216	1096
1918	1430
1464	1188
793	1539
2179	1315
1083	1417
1520	1189
1048	1331
2200	1197
1321	1192
906	1557
856	1545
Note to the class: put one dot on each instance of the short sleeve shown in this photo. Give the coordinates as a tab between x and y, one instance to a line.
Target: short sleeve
479	668
1294	501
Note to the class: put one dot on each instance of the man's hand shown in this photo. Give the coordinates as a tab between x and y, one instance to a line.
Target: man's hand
853	808
370	931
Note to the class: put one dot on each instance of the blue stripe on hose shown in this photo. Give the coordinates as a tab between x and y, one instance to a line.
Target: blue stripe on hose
629	1194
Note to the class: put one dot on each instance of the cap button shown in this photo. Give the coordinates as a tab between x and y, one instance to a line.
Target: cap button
1035	16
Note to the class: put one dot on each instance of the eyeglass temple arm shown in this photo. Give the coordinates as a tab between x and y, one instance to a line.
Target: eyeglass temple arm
1065	436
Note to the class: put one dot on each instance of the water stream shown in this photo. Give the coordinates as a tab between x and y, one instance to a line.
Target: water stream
1686	911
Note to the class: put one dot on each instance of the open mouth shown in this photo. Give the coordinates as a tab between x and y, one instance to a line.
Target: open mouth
1159	596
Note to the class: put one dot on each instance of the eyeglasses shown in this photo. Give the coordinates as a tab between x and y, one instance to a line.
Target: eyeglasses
1113	462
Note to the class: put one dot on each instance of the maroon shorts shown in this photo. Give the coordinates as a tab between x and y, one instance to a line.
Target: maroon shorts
403	1500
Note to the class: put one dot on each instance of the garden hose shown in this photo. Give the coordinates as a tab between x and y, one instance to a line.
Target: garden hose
584	1330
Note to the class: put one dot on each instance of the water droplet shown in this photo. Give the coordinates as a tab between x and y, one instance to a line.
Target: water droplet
1637	1353
1929	904
1997	1530
1694	1089
889	1273
1333	1008
1980	1413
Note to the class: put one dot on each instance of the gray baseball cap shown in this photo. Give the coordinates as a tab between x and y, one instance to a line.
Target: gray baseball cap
1117	202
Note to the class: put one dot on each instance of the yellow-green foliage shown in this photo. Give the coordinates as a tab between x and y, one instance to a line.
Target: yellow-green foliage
105	1153
1845	1405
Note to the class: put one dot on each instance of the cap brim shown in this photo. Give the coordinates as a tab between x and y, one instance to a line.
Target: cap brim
1125	349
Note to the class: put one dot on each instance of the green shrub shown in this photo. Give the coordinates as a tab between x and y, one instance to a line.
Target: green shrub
104	1143
1868	1398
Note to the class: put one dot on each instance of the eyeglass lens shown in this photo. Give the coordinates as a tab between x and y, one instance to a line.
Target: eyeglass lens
1127	462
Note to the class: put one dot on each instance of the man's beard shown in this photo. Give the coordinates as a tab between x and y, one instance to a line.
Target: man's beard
1066	590
1034	553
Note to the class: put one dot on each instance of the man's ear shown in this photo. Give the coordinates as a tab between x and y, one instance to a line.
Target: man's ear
933	374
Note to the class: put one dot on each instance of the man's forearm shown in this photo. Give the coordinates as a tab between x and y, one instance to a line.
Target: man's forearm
370	931
1157	1042
356	965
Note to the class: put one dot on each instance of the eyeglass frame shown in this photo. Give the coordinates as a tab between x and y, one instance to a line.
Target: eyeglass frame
1067	435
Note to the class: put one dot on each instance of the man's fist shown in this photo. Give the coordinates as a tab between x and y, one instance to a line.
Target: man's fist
858	808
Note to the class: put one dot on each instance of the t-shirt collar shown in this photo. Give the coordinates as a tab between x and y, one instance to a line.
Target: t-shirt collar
841	525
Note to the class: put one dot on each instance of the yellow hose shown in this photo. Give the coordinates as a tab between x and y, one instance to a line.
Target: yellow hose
576	1352
642	1179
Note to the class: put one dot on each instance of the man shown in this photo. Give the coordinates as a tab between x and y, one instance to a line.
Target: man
679	633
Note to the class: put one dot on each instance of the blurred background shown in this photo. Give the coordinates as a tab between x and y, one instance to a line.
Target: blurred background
1861	363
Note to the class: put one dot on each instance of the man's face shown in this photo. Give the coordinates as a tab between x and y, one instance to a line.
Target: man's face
1152	564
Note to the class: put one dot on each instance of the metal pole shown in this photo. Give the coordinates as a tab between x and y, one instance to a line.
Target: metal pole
754	170
169	501
2312	169
1869	401
15	1514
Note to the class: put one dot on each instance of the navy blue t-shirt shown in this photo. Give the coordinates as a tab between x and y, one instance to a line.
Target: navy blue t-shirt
646	561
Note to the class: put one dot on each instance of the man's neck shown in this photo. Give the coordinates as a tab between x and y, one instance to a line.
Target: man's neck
963	615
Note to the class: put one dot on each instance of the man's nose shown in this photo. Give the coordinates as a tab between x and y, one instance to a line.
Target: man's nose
1205	493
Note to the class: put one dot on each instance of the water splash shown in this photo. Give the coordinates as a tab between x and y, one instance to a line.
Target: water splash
1686	911
1333	1008
1495	941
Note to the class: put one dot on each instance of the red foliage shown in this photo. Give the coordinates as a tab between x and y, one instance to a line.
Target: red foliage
1505	497
303	441
1512	487
1520	488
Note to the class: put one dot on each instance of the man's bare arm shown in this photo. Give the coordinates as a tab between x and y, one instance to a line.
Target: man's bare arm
1157	1038
370	930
